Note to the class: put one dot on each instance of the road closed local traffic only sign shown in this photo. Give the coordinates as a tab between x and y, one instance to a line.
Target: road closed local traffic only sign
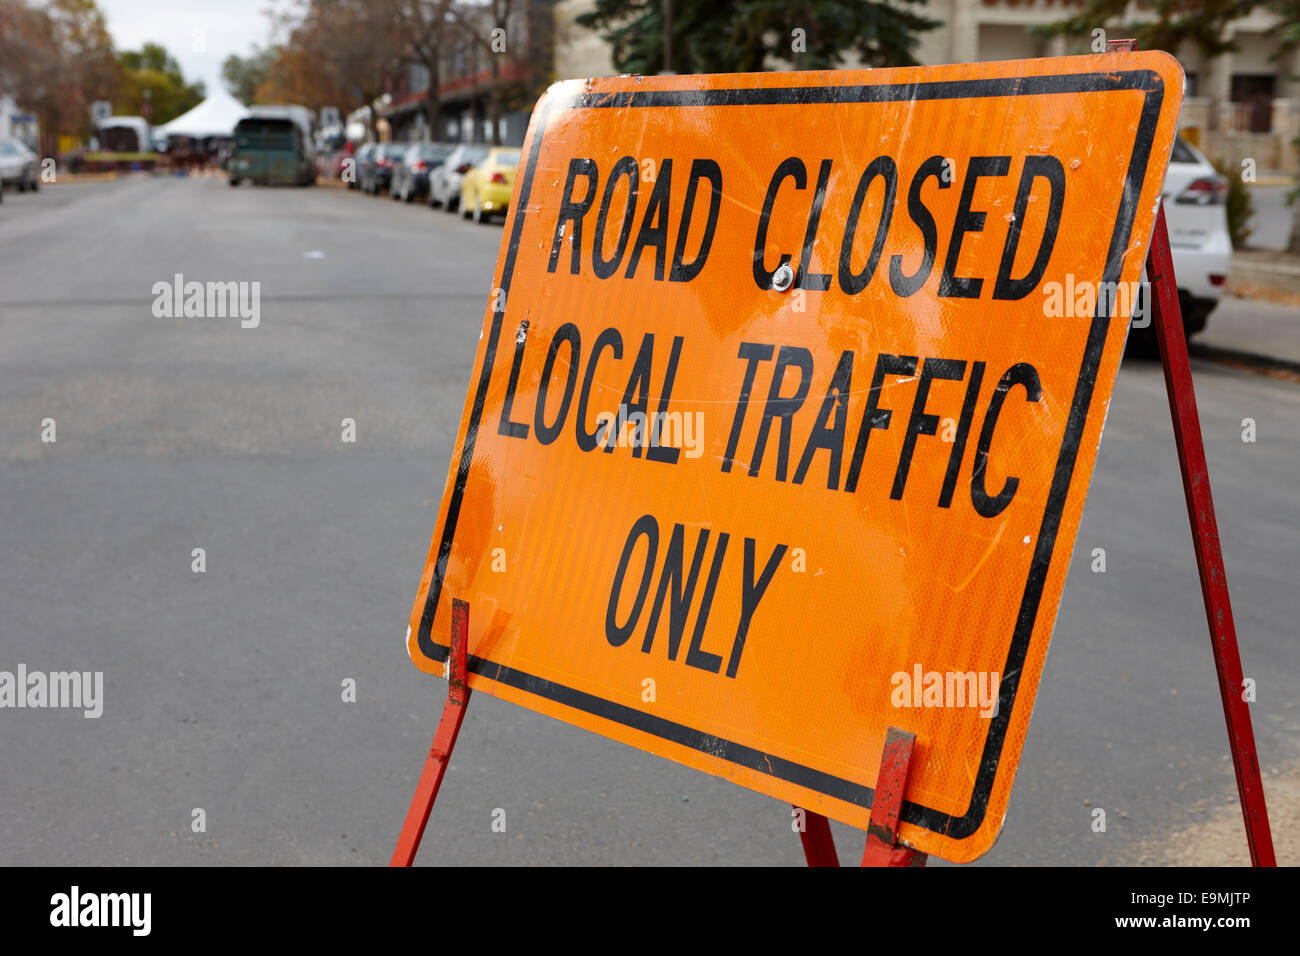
784	411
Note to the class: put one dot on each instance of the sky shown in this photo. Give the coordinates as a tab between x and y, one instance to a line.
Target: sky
198	33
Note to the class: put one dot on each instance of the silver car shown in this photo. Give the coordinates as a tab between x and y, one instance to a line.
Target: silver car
19	166
444	182
411	177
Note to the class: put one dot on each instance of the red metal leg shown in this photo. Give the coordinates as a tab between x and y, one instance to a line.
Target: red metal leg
882	831
1205	534
818	844
435	765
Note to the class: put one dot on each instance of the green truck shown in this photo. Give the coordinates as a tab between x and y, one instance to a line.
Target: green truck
273	145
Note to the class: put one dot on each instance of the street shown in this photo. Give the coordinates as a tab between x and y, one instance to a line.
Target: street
224	690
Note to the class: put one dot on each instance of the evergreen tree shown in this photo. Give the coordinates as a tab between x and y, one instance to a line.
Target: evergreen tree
738	36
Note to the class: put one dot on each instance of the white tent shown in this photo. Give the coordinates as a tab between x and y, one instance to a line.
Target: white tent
215	116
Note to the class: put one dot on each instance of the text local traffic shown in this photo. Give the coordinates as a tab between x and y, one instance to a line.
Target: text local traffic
811	424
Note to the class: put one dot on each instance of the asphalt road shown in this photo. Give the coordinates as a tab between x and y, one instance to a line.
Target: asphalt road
222	689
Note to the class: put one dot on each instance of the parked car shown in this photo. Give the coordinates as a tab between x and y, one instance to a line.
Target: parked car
19	166
486	187
361	158
411	177
1195	201
444	182
378	173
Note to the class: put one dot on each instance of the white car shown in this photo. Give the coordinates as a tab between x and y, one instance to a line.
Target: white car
444	182
1195	202
19	166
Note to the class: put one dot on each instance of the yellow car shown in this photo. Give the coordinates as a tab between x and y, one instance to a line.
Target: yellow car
485	190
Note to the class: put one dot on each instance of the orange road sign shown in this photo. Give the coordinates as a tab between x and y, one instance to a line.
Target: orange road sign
784	412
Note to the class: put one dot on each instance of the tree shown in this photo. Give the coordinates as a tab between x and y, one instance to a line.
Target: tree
1164	24
55	60
487	26
724	36
339	53
426	26
153	86
1288	34
243	75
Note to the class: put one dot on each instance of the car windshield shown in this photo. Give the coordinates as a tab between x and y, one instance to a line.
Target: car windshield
435	150
396	150
8	149
510	158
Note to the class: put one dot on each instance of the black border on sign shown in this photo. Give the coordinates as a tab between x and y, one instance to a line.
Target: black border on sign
1146	81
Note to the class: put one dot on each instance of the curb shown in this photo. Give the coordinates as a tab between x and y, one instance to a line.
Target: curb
1265	273
1264	363
64	178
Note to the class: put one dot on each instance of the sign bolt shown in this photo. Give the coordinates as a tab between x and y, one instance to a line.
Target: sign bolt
783	277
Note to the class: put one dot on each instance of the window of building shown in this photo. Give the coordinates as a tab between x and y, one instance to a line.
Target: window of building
1253	94
419	77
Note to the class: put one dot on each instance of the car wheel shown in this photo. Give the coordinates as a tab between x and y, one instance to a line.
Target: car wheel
464	208
234	181
452	203
480	216
34	185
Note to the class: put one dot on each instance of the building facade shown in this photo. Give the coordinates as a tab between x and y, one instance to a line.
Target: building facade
488	69
18	124
1238	104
